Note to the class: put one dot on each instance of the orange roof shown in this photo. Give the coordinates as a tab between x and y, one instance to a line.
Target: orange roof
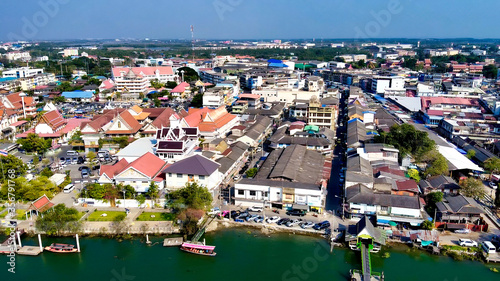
41	204
141	116
208	120
54	119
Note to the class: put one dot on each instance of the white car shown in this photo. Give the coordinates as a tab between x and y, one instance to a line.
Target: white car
256	209
467	243
463	231
273	219
214	211
68	188
493	185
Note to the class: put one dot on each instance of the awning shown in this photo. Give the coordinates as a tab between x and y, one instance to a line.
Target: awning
300	207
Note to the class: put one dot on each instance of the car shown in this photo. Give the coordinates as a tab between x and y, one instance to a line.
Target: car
463	231
80	160
293	222
237	177
259	219
68	188
493	185
321	225
214	211
256	209
273	219
282	221
224	214
251	217
96	167
83	168
307	224
85	173
242	216
299	213
467	242
74	160
71	153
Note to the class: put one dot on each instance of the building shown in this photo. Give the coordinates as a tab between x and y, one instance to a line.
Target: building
80	96
212	123
439	183
290	178
136	80
22	72
19	103
70	52
195	168
16	55
175	143
322	113
139	173
458	209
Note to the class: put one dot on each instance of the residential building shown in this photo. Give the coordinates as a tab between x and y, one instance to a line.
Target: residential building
136	80
212	123
22	72
441	183
196	168
458	209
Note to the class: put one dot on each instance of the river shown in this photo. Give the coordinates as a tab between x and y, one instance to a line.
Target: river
242	254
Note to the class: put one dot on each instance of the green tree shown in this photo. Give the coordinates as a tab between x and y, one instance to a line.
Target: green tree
472	187
189	74
428	225
192	195
437	166
58	220
434	197
96	191
414	174
492	165
11	163
408	140
152	192
197	100
91	156
156	84
171	84
471	153
250	173
140	199
33	143
490	71
25	190
157	102
59	99
46	172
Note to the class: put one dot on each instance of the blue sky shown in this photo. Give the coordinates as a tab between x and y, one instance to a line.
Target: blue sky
248	19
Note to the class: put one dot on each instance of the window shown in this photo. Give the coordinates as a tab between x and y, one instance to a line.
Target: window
241	192
201	177
170	175
252	192
179	175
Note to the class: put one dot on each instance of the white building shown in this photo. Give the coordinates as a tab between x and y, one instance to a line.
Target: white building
69	52
22	72
24	56
195	168
136	80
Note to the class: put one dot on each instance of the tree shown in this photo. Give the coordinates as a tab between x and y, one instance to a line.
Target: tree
34	143
490	71
189	74
434	197
152	192
59	99
492	164
428	225
13	164
171	84
437	165
250	173
408	140
413	174
58	220
197	100
140	199
157	102
96	191
91	156
156	84
472	187
471	153
25	190
192	195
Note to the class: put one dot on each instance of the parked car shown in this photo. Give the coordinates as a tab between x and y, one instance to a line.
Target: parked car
273	219
242	216
493	185
293	223
256	209
83	168
68	188
299	213
214	211
224	214
259	219
251	217
463	231
307	224
237	177
282	221
71	153
80	160
74	160
322	225
85	173
467	242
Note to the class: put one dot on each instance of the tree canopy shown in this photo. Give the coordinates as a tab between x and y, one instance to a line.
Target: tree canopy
12	163
192	196
408	140
29	190
34	143
492	164
189	74
472	187
58	220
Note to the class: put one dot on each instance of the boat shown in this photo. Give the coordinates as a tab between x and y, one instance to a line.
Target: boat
198	249
61	248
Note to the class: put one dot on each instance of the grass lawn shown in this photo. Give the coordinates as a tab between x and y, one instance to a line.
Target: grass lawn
146	216
111	215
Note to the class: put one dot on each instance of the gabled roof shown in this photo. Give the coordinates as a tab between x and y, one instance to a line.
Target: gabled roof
208	120
459	204
181	88
128	121
54	119
194	165
41	204
148	164
112	170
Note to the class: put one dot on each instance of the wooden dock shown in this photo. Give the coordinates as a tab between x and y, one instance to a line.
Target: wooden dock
29	251
170	242
494	257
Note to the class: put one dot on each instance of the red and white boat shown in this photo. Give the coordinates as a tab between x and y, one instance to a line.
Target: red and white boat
198	249
61	248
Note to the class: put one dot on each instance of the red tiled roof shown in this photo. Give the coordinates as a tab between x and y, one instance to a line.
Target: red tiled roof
41	204
112	170
407	185
54	119
208	120
181	88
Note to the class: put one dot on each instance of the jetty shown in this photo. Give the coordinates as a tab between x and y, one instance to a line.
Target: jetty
170	242
366	238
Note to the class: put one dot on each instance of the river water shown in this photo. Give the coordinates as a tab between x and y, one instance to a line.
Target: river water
242	254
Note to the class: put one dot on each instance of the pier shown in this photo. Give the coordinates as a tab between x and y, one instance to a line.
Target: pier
170	242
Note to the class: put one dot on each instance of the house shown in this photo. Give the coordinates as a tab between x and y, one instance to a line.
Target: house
21	104
458	209
290	178
157	119
256	131
175	142
380	151
139	173
136	149
212	123
385	207
234	158
196	168
441	183
38	206
359	171
181	90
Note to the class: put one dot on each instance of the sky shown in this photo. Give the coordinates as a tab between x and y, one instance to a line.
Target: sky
247	19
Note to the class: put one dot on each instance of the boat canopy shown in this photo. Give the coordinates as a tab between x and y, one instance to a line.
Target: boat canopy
196	246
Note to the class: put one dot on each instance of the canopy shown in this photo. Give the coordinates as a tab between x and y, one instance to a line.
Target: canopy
196	246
